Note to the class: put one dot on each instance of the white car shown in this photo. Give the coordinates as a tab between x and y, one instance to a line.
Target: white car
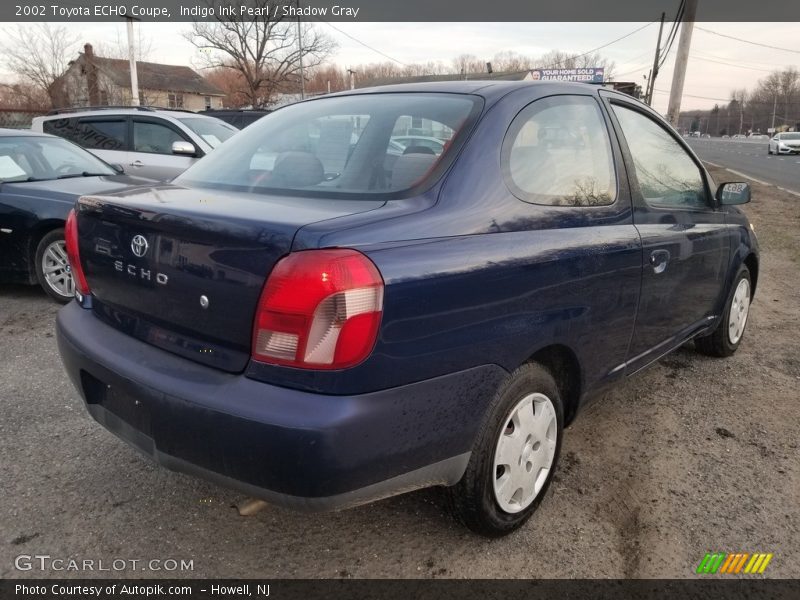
146	142
785	143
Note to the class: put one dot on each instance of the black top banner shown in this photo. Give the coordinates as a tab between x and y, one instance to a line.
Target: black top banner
414	589
397	10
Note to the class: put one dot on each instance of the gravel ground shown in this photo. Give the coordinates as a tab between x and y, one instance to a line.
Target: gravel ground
694	455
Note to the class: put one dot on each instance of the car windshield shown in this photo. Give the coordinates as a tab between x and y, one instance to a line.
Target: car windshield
342	146
211	129
790	136
32	158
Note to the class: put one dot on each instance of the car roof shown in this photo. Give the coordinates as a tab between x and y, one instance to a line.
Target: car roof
489	89
22	133
111	111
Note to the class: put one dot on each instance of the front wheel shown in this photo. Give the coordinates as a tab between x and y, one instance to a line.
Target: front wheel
725	339
515	455
52	267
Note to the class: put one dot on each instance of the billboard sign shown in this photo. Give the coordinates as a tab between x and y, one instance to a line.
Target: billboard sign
585	75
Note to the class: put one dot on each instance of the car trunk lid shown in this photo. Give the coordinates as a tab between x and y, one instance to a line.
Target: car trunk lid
183	269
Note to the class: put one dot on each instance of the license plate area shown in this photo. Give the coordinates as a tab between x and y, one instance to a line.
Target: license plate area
135	411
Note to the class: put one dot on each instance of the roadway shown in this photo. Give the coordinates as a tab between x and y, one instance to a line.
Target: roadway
750	158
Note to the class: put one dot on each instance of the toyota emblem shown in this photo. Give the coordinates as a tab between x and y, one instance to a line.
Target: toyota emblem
139	245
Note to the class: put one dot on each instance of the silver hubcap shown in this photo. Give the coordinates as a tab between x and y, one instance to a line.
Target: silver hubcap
524	453
740	306
55	267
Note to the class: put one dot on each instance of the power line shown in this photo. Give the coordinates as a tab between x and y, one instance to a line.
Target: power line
748	41
638	69
673	33
749	63
700	97
719	62
399	62
619	39
748	102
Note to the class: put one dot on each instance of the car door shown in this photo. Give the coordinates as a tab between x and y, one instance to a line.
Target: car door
684	236
151	149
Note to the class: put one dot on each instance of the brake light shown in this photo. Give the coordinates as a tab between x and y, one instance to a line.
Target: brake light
320	309
71	240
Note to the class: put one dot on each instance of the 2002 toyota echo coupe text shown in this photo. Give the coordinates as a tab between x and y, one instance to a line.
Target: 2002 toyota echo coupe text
324	311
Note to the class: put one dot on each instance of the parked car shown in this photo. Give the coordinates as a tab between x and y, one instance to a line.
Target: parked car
739	136
239	118
785	143
321	338
41	177
433	144
158	144
757	136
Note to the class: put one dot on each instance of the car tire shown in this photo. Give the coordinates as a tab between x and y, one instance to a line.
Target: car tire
769	149
524	425
52	268
725	339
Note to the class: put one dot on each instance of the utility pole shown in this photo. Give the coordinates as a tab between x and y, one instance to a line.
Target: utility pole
352	79
774	108
132	59
651	81
300	51
681	59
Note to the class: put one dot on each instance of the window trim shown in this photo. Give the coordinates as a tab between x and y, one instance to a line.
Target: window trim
633	179
510	136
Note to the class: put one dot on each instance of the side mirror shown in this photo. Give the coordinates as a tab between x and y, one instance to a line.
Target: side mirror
118	168
184	148
733	193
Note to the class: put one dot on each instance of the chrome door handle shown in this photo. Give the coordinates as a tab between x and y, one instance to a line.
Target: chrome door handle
136	163
659	260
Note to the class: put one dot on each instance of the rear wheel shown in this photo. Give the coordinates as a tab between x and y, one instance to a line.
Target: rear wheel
52	267
725	339
514	457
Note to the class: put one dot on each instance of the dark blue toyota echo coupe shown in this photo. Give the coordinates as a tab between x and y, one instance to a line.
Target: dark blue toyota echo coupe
320	314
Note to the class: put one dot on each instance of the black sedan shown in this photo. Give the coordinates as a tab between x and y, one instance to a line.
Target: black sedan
41	176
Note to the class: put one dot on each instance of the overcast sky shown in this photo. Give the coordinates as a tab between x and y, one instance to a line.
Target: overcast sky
708	80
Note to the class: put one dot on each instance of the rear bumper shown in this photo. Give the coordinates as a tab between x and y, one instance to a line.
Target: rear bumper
297	449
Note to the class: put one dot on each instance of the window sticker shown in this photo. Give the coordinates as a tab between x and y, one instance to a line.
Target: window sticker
9	169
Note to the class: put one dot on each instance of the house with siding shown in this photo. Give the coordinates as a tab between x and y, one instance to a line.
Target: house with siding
92	80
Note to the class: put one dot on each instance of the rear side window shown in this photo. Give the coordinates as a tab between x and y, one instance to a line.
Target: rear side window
99	134
667	175
348	146
557	152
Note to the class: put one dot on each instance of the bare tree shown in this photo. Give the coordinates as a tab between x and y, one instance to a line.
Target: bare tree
264	51
38	54
23	95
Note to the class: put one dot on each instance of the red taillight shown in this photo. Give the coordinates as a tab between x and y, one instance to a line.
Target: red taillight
320	309
71	239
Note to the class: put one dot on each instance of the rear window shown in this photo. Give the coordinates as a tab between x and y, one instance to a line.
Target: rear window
349	146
